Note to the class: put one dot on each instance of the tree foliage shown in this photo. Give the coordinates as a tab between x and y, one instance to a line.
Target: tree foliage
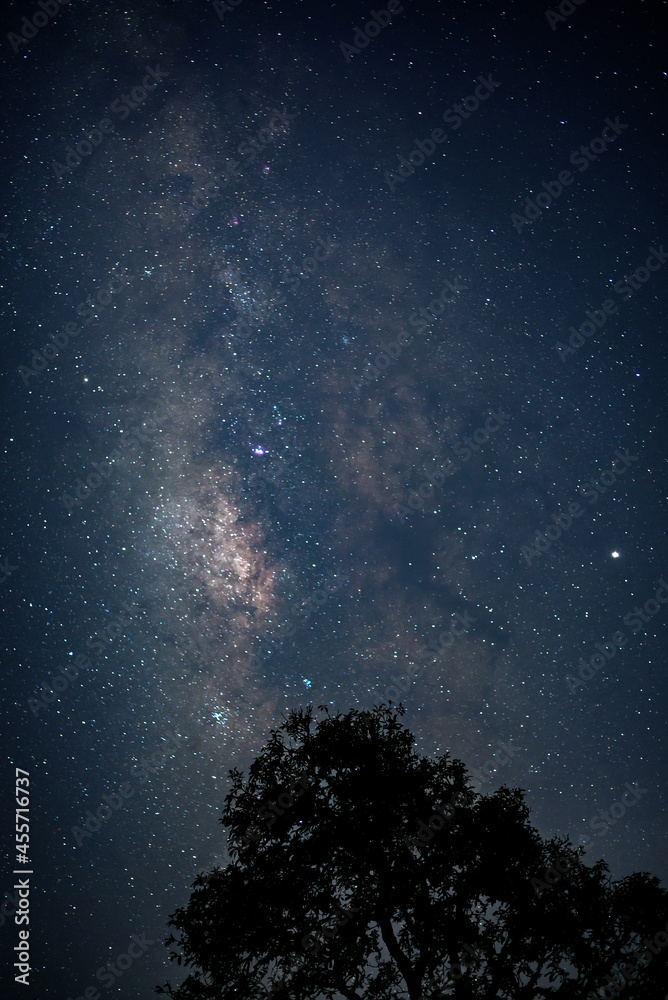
360	869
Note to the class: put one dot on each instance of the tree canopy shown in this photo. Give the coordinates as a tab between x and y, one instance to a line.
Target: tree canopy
361	870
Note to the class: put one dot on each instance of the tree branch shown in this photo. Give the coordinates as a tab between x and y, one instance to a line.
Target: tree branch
346	991
403	964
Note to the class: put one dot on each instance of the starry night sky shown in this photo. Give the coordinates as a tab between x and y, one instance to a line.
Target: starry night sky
218	507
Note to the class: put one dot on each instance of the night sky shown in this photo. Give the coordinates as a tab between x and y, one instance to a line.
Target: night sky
334	371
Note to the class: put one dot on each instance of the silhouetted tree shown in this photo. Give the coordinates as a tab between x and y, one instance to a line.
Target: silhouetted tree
362	870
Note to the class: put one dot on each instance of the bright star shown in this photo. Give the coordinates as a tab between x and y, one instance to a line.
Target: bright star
615	555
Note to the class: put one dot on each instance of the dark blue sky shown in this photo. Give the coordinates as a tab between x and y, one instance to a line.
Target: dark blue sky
327	378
